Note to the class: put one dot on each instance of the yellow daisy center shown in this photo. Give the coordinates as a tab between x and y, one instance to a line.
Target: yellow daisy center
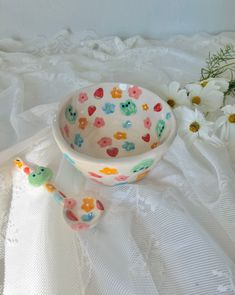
196	100
203	83
231	118
171	102
194	127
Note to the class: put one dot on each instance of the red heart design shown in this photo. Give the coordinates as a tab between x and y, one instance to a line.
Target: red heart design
146	137
99	93
158	107
91	110
112	152
71	216
99	205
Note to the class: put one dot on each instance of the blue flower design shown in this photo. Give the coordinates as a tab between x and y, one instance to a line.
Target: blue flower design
88	217
127	124
168	116
128	146
108	108
78	140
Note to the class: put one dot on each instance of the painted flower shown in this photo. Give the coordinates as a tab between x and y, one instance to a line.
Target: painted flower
208	98
192	124
134	92
128	146
69	203
120	135
226	123
175	96
145	107
168	116
66	130
121	178
220	82
82	123
79	226
155	144
99	122
116	92
127	124
78	140
147	123
108	108
104	141
87	217
88	204
93	174
50	187
109	171
82	97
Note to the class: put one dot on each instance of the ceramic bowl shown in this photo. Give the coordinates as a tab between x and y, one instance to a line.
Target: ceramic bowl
114	133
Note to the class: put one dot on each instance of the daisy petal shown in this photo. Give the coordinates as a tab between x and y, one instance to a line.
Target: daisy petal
173	88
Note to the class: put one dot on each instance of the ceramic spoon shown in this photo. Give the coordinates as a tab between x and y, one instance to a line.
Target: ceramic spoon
78	215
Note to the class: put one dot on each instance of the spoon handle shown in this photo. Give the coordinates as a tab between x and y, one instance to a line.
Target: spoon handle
50	187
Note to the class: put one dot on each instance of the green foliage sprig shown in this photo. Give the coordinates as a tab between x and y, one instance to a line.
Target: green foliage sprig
220	62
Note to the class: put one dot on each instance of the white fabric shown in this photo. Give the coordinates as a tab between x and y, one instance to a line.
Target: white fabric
173	233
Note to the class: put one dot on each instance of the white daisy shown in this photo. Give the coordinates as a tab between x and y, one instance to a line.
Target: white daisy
207	98
192	124
225	125
175	96
222	83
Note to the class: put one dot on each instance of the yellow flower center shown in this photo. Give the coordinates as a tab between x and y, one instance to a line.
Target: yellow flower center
196	100
171	102
203	83
194	127
231	118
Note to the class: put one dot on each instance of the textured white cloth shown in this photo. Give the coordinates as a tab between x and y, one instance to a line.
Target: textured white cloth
173	233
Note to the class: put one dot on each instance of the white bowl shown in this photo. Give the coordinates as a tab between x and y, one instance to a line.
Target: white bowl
114	133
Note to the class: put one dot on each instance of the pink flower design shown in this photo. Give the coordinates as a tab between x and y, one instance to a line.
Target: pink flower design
134	92
69	203
82	97
147	123
121	178
94	174
104	141
99	122
79	226
66	130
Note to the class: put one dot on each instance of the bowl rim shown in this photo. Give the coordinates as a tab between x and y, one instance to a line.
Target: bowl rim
81	157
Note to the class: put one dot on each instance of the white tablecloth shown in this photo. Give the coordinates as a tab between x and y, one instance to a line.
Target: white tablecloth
173	233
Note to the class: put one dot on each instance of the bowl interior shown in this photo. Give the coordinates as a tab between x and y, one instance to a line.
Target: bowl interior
114	120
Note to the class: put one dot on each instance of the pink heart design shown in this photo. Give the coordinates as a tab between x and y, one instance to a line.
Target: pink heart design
91	110
112	152
146	137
